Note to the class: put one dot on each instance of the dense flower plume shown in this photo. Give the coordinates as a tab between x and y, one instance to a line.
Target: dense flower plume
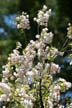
28	77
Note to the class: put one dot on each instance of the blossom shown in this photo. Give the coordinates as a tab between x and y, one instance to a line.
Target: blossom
5	87
23	21
56	92
46	37
6	90
71	62
37	36
64	84
43	16
54	68
50	104
18	45
3	97
61	106
28	103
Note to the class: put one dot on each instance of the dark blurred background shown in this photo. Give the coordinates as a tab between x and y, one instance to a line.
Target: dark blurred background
9	35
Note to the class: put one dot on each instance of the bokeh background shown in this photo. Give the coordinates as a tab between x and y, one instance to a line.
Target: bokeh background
9	35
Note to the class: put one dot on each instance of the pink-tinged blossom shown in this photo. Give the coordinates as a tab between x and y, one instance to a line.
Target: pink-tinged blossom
43	16
54	68
23	21
5	87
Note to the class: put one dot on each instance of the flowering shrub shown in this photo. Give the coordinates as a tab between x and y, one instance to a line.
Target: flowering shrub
28	77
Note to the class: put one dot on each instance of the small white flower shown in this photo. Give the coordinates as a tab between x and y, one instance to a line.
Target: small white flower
45	29
37	36
44	7
71	62
61	106
68	84
18	45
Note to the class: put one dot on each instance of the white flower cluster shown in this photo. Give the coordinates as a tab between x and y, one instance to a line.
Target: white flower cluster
47	37
5	89
69	106
57	87
43	16
29	74
23	21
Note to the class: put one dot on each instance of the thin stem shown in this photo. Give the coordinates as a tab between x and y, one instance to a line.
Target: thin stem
50	62
25	38
65	46
65	42
38	29
40	94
